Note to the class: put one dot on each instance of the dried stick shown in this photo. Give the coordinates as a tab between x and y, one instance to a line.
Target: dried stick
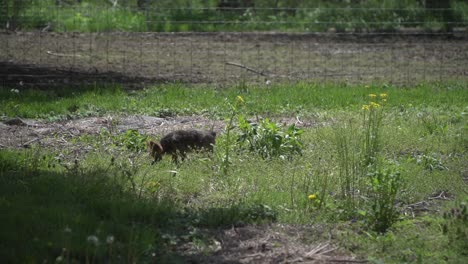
245	67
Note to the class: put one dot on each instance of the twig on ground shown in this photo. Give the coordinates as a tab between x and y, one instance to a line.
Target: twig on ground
441	196
245	67
62	54
317	249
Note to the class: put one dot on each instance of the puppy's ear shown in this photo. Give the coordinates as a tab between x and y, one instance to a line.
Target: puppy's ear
154	147
149	145
158	148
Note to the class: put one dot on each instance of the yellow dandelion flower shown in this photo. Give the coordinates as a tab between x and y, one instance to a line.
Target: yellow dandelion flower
372	95
365	107
384	100
383	95
374	105
240	99
312	197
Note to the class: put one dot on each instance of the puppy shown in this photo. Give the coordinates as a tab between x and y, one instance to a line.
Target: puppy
178	143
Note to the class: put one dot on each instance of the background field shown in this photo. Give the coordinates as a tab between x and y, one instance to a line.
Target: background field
342	131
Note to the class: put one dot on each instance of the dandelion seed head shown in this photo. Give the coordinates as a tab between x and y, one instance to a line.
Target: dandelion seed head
93	240
110	239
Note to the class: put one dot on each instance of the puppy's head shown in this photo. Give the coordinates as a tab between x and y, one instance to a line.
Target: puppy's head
155	149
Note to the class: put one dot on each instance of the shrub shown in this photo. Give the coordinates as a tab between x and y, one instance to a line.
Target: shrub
269	139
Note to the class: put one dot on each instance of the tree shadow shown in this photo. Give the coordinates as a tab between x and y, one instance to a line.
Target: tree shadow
88	215
16	75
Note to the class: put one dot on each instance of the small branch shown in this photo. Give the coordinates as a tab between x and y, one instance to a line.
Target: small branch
441	196
245	67
61	54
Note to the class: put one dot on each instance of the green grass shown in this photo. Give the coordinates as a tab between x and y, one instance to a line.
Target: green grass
62	198
193	15
302	99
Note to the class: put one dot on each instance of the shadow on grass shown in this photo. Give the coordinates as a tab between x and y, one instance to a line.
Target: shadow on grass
17	75
86	215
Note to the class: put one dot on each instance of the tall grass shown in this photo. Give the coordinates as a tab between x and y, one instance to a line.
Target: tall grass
205	16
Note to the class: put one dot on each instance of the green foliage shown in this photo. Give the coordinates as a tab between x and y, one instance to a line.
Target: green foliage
429	162
269	139
384	186
200	15
432	123
456	228
373	114
228	143
132	140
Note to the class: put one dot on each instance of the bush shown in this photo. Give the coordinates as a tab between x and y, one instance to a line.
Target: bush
269	139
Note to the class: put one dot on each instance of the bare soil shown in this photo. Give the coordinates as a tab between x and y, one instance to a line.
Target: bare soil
42	59
21	133
266	244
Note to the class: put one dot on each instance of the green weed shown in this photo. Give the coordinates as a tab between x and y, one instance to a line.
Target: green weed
269	139
385	184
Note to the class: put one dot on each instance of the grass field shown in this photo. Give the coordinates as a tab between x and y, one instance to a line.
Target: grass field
206	16
380	170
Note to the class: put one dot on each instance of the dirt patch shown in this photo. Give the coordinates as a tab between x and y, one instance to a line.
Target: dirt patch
137	59
20	133
265	244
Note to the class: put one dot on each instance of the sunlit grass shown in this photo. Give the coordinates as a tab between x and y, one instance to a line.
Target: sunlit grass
286	99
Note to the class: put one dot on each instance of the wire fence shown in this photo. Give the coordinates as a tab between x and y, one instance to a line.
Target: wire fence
223	44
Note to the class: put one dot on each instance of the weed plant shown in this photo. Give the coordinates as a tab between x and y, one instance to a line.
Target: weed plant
269	139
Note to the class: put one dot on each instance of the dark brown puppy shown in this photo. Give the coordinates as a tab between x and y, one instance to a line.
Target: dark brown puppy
179	142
